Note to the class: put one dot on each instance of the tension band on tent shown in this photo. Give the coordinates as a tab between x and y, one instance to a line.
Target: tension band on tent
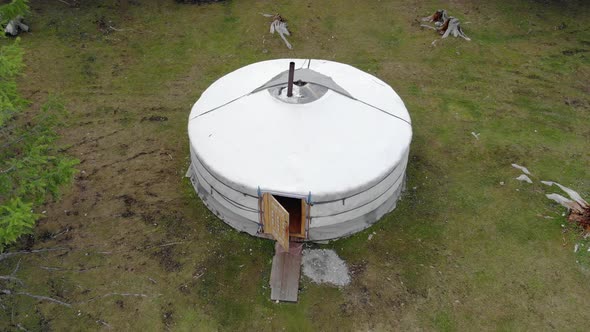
220	106
347	96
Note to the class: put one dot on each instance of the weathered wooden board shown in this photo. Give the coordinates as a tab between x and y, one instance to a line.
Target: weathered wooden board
285	272
276	220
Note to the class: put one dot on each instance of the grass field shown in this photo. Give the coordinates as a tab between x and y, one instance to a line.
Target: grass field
461	251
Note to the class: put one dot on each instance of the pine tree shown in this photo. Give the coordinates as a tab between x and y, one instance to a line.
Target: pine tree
31	168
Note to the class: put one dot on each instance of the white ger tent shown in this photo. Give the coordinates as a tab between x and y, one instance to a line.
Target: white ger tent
323	163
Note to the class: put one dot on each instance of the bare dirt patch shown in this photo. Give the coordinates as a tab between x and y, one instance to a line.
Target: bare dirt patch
167	259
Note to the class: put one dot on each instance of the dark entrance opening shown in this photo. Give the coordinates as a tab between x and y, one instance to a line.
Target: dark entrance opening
294	207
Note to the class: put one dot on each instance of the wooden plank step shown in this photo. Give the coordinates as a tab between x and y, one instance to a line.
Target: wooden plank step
284	275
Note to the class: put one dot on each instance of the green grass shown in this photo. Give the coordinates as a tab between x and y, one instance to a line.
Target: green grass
460	252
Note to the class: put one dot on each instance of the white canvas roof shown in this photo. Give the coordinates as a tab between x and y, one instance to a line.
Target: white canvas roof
345	141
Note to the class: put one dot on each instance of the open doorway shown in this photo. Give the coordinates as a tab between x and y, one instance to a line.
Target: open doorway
296	208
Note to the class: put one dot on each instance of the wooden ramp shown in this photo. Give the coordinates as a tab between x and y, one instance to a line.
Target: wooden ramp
284	276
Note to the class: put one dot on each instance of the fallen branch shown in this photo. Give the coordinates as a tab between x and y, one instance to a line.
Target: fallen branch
7	170
115	29
522	168
115	294
10	254
164	245
20	327
38	297
12	279
524	178
104	323
49	268
15	269
12	275
62	232
125	294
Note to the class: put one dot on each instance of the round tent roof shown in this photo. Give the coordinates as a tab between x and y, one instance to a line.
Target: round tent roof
342	132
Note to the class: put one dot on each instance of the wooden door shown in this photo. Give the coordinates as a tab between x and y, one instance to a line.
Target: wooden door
303	217
276	220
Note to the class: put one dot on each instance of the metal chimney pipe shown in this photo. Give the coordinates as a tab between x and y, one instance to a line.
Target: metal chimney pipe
290	84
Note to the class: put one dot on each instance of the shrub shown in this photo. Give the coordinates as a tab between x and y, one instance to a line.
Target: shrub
31	168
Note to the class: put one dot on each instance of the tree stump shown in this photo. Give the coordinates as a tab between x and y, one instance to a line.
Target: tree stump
452	26
445	25
279	24
439	17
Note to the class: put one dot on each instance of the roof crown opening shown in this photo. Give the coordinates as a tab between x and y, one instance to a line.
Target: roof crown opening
308	86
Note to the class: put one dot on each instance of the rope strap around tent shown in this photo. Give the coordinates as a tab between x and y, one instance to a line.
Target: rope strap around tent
229	200
384	111
279	84
218	107
365	204
218	180
260	212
